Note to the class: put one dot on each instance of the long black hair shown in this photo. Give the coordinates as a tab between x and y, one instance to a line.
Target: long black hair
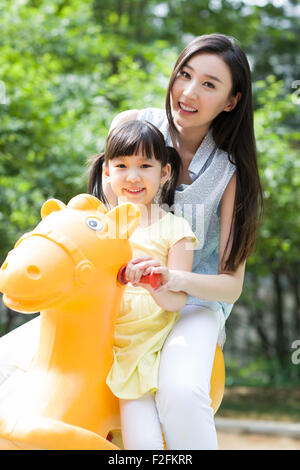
233	132
132	138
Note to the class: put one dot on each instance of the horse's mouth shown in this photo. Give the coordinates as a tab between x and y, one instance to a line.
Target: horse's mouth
30	305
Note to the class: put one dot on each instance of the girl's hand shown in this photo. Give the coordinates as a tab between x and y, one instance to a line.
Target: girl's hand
138	267
171	279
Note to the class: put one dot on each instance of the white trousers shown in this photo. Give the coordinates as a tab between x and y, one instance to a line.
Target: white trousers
182	402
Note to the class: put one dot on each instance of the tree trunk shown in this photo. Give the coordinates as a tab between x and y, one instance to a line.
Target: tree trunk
280	346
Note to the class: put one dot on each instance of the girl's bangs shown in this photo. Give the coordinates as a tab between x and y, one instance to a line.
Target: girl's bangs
132	141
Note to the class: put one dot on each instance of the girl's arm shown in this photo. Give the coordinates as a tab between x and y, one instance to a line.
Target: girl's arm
179	258
221	287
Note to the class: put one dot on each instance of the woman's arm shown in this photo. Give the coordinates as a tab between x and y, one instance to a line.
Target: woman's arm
179	258
221	287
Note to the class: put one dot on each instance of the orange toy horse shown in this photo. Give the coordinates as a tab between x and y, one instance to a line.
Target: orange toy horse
67	268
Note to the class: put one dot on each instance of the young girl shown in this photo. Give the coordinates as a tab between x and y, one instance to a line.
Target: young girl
136	165
209	120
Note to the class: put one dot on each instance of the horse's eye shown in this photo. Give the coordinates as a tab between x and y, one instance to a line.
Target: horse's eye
94	224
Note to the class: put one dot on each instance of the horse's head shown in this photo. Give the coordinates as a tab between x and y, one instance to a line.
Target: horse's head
74	247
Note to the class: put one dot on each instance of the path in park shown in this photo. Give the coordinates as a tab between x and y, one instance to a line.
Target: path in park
257	435
256	442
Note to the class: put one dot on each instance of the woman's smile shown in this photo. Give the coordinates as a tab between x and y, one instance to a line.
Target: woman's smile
186	109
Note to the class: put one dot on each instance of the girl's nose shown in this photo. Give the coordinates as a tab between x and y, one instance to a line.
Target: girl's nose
133	176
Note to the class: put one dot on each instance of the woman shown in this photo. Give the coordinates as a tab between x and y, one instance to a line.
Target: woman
209	120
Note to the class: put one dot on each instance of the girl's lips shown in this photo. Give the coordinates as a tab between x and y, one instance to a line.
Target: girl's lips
185	109
134	190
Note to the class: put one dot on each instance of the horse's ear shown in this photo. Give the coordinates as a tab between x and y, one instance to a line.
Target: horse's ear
51	205
87	202
125	219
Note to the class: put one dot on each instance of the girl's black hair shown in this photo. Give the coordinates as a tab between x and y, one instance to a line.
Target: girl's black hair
233	132
132	138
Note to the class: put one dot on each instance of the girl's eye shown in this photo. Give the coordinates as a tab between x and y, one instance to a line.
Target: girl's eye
146	165
94	224
209	84
120	165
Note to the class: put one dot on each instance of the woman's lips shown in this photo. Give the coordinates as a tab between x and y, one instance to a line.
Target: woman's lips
185	109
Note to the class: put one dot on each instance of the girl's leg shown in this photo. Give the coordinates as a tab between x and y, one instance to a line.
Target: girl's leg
141	428
183	399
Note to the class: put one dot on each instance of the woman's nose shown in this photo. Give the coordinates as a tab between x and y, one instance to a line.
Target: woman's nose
190	90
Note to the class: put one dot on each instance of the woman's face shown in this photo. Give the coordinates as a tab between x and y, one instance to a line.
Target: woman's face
201	90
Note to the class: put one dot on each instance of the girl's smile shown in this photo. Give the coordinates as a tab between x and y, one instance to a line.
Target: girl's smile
136	178
134	191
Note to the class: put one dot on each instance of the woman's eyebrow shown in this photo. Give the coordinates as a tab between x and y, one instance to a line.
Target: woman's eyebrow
212	77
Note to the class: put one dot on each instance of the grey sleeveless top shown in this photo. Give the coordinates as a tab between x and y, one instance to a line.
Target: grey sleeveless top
199	202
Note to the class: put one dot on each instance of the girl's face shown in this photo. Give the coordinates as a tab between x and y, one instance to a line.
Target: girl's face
202	90
136	178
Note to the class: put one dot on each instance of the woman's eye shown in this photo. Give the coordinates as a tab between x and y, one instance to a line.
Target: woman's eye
94	224
209	84
184	74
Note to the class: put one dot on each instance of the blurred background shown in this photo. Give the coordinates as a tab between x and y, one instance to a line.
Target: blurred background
68	67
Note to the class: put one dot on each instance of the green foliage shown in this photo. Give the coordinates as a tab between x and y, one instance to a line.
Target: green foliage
278	147
64	82
261	372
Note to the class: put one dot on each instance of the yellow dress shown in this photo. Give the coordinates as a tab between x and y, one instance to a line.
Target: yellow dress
142	326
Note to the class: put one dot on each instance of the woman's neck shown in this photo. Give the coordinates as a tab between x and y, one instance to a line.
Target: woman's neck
189	139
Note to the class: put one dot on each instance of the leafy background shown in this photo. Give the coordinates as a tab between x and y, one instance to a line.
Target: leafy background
68	67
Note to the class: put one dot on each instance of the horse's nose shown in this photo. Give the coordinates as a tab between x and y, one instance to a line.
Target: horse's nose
33	272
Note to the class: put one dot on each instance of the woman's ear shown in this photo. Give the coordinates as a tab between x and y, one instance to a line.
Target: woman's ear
165	173
233	102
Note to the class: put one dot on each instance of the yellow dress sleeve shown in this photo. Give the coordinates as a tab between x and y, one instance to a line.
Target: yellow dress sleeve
179	228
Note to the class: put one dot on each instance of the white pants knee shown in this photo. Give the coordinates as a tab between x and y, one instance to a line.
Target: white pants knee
182	400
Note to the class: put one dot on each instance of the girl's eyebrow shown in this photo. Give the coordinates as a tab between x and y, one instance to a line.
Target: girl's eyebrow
124	157
212	77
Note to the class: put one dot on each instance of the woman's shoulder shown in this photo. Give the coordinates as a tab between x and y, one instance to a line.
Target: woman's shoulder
124	116
156	116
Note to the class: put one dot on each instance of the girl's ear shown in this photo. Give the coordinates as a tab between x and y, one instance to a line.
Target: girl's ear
233	102
106	174
165	173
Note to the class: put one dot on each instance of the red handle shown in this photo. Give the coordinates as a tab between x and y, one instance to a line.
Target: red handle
154	279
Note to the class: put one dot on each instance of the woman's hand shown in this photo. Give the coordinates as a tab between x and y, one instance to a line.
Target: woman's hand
171	279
